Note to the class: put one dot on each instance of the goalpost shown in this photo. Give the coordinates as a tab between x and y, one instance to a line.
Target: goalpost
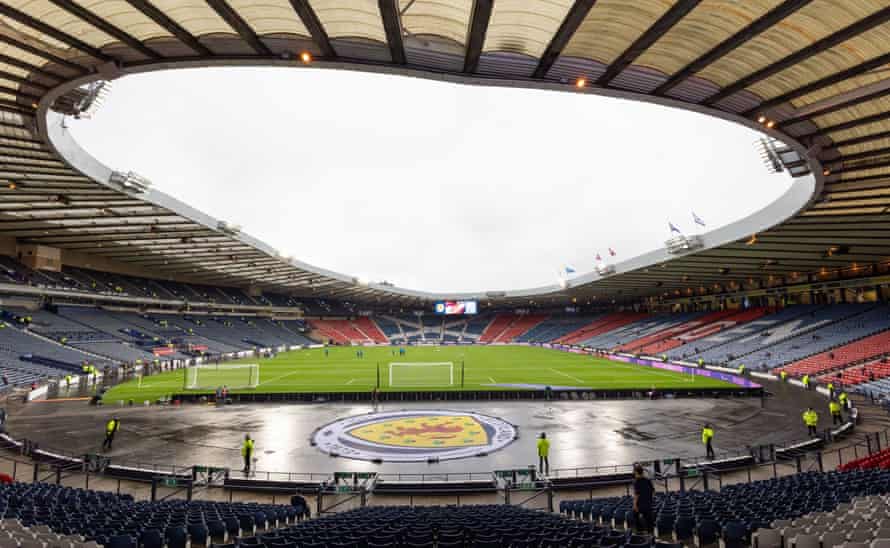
421	374
231	375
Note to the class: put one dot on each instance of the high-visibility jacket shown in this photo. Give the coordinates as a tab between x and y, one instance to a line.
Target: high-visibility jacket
806	380
842	398
742	369
112	426
701	362
831	387
810	418
247	448
834	407
543	447
706	435
783	375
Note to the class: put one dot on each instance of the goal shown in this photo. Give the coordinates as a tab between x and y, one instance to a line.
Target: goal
233	376
421	374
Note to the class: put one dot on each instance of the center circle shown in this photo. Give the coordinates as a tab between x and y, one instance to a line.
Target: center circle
414	436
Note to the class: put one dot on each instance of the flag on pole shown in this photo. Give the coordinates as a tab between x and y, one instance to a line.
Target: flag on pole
673	228
612	252
569	270
697	219
598	258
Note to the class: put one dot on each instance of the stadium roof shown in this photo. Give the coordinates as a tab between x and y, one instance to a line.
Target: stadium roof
814	74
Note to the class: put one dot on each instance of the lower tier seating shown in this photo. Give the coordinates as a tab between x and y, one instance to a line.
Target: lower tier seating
117	521
736	511
493	526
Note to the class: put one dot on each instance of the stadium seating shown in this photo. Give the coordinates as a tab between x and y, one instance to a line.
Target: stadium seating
869	372
497	326
721	347
666	339
476	326
738	510
831	327
862	349
117	521
20	345
638	329
881	459
681	346
479	526
340	331
367	327
598	326
519	325
553	328
390	328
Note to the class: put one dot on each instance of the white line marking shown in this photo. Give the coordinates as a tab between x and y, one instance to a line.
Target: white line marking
492	380
351	381
558	372
278	377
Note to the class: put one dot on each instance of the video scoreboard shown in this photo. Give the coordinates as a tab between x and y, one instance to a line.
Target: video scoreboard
450	308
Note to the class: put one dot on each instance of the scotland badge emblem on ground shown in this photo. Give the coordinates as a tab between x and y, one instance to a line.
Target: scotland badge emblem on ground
413	436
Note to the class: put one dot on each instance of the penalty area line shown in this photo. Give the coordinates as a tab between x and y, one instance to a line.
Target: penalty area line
558	372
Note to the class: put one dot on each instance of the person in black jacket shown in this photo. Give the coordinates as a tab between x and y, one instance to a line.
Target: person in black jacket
644	493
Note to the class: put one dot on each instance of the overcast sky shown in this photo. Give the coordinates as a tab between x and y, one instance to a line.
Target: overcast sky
428	185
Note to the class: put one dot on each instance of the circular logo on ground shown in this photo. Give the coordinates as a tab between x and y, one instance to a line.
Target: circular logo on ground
414	436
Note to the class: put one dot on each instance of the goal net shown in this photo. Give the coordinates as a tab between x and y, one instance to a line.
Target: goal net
232	376
421	374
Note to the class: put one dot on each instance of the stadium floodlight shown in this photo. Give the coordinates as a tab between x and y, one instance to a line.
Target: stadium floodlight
683	244
769	155
130	181
83	101
779	157
224	226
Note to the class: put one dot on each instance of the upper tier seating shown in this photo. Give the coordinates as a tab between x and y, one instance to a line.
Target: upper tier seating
826	329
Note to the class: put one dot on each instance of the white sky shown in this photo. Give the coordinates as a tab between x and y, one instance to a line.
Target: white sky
431	186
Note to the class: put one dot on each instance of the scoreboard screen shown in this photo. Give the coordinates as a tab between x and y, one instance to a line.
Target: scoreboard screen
455	307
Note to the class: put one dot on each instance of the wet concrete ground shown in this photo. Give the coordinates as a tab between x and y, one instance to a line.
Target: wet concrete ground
582	433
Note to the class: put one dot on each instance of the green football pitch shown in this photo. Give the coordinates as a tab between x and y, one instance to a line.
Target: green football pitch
421	368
